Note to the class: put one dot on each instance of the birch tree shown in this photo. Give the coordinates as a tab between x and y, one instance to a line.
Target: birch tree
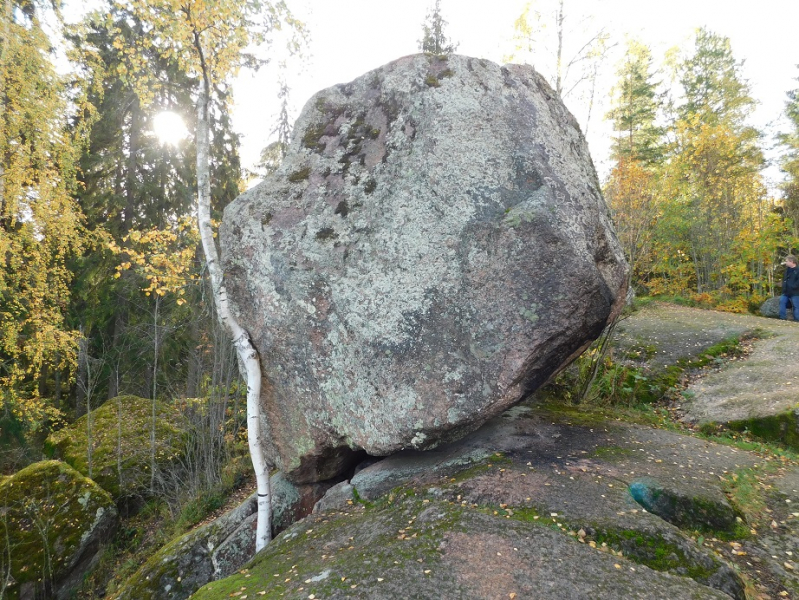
210	38
41	227
568	52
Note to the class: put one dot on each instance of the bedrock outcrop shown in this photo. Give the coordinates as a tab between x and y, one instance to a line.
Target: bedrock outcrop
433	248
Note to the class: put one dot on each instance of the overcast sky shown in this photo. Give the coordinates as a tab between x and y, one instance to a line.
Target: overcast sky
351	37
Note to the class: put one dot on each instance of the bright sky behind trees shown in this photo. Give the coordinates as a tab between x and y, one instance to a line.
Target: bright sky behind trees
350	37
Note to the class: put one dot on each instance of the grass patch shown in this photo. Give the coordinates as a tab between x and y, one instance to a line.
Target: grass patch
597	379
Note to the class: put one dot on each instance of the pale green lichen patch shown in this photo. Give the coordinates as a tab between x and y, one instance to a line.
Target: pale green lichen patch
120	433
530	313
47	511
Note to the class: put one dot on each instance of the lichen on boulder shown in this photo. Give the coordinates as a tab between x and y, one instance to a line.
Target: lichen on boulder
426	257
54	522
120	432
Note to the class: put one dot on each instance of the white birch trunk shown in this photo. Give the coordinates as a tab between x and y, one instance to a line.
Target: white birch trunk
247	354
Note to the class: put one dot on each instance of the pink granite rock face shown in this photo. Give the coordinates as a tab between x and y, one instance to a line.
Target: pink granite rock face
434	247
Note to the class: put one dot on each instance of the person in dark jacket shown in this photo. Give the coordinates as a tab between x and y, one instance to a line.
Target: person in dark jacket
790	288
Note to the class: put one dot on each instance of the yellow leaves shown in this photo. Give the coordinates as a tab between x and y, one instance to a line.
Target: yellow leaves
164	257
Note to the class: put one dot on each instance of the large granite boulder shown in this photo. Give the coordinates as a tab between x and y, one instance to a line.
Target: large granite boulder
53	523
434	247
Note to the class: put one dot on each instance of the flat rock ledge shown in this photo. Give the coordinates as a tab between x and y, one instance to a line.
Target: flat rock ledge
535	503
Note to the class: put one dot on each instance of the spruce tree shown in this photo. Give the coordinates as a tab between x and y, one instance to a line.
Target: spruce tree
434	39
714	189
635	108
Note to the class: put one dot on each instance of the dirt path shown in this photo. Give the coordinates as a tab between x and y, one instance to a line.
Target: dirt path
766	383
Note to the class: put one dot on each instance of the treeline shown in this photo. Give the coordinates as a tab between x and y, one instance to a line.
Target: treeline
101	289
687	192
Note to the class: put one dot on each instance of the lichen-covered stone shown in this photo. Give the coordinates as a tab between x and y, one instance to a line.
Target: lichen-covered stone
53	522
120	432
771	309
219	548
445	251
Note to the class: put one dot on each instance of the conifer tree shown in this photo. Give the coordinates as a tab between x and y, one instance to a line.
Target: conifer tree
635	108
631	189
712	182
131	184
434	38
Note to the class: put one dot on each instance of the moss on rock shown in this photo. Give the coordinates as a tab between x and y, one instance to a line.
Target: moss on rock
782	428
54	519
121	438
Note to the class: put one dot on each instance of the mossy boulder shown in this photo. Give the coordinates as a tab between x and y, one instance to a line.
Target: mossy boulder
55	521
705	509
120	432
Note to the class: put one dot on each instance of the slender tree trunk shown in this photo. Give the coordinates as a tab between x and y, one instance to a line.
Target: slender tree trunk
247	354
195	360
89	430
82	383
57	381
119	440
155	392
3	58
559	65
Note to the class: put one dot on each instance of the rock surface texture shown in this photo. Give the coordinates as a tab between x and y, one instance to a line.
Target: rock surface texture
217	549
563	502
434	247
